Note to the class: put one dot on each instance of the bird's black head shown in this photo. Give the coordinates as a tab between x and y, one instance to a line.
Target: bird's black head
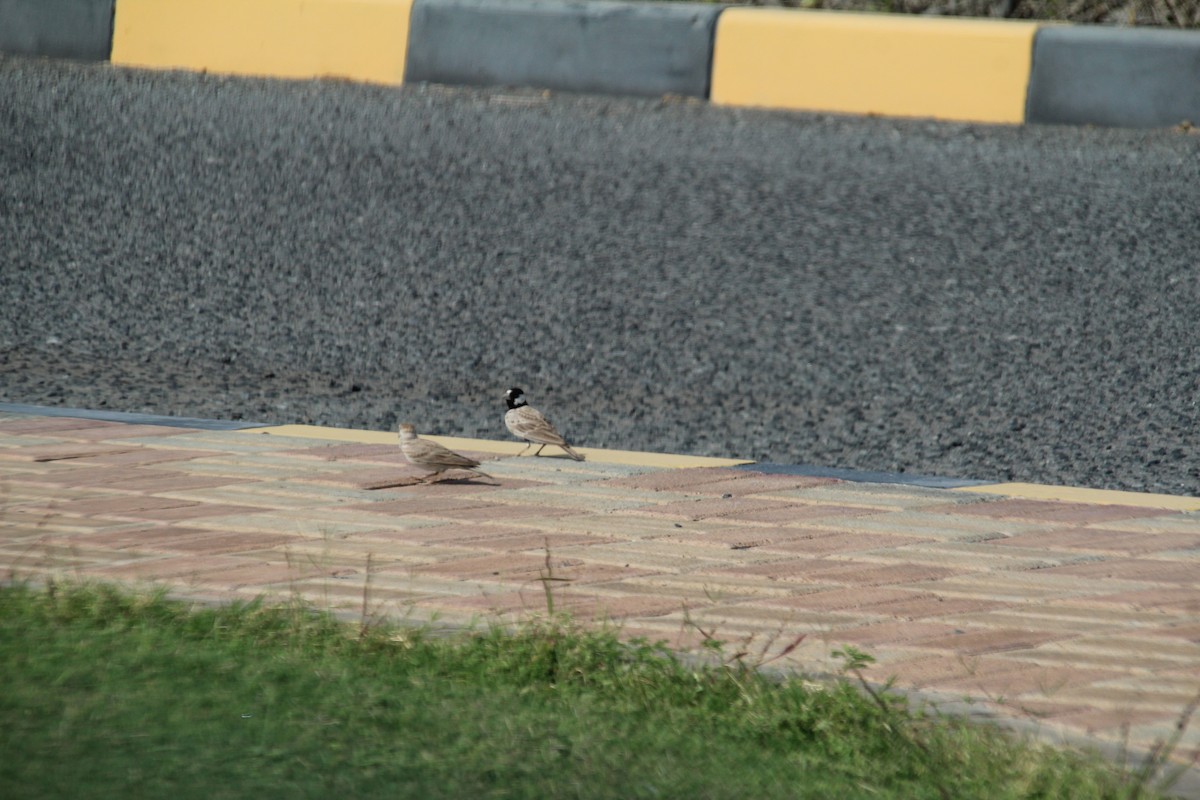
514	397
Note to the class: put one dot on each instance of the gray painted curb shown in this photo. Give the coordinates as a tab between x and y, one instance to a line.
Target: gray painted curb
863	476
130	418
1129	77
606	47
860	476
78	29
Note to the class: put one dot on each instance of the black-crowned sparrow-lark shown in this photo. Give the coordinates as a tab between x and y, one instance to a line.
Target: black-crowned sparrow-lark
526	422
425	453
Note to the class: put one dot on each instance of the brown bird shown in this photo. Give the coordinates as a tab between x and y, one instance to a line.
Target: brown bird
526	422
425	453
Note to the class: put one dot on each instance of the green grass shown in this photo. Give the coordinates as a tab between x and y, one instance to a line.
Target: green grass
109	694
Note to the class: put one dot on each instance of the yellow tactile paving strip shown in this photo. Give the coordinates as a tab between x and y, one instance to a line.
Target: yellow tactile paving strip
1078	613
1034	491
598	455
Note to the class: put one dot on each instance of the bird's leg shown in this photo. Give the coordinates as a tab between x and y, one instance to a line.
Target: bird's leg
526	447
539	451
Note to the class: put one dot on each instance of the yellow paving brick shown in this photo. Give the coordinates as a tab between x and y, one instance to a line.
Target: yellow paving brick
656	460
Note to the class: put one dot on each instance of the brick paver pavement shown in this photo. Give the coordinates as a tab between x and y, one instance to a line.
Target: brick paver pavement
1078	617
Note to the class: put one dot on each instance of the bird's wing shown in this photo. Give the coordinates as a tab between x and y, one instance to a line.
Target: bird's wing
528	423
433	454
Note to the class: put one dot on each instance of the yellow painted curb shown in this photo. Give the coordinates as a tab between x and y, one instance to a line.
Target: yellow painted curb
1068	494
597	455
893	64
363	40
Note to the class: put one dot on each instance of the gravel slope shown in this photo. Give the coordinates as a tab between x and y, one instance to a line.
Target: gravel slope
959	300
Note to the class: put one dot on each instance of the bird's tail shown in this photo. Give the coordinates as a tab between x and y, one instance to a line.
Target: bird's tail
567	449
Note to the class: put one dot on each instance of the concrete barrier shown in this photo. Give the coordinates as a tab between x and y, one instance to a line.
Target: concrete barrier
608	47
889	64
1131	77
358	39
80	29
894	64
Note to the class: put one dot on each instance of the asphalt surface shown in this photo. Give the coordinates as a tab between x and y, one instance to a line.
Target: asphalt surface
946	299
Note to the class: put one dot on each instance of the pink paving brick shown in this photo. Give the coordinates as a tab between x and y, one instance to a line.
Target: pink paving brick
539	540
508	565
874	575
1051	511
846	599
22	524
368	453
808	512
48	425
784	569
123	431
886	633
581	605
846	543
483	538
1188	632
221	571
992	640
1165	599
217	543
67	451
528	567
1036	679
747	482
843	572
939	670
732	508
149	481
419	504
261	574
1101	540
166	568
501	513
76	477
195	511
448	535
738	537
1099	719
142	457
1133	569
1040	709
932	605
142	539
118	506
453	488
367	477
678	480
